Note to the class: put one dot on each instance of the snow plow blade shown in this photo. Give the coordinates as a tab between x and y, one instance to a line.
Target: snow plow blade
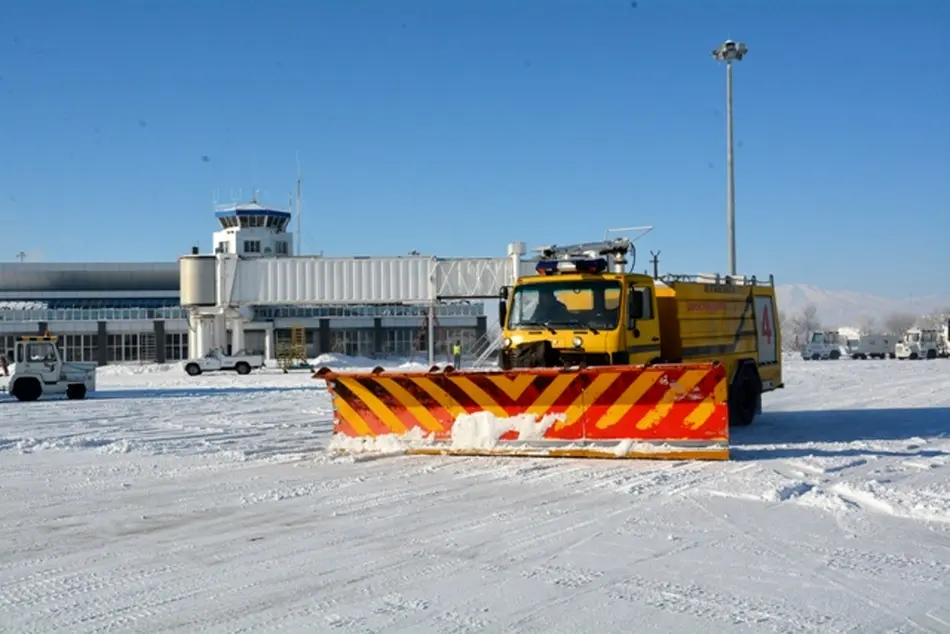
674	412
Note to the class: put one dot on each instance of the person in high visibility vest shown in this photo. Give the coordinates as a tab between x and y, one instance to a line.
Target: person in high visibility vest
457	353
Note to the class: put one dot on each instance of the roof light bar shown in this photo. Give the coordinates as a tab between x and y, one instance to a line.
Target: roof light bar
591	266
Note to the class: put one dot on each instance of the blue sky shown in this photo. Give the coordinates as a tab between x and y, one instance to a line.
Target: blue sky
455	127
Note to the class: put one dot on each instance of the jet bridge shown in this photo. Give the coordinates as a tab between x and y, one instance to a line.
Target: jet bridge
220	288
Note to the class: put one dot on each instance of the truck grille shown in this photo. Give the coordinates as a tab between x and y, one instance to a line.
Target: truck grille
541	355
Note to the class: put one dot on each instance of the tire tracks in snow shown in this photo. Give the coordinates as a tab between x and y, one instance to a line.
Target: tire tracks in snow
755	536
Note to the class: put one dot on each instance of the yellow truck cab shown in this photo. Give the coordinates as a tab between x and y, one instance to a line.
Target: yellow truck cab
583	309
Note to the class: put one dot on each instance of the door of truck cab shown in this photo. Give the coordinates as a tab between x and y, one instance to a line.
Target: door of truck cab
643	327
39	358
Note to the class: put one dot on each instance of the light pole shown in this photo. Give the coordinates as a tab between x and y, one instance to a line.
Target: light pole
729	52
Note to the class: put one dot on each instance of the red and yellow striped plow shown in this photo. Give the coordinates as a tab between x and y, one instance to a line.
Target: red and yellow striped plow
676	412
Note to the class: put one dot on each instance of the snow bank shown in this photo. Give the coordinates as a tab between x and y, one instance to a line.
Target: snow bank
136	370
387	444
346	362
342	361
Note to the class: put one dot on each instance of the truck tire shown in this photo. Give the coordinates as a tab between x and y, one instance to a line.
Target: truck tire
744	396
242	368
193	369
834	355
76	392
28	389
931	354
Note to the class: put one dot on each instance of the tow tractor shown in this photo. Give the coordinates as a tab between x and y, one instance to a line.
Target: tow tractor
922	343
824	345
39	370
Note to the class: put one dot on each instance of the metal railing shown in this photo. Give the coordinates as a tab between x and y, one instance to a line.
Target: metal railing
718	280
487	346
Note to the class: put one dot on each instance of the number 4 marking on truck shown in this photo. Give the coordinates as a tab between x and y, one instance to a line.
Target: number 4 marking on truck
766	325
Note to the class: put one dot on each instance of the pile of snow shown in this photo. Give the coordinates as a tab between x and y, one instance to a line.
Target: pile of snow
478	431
341	361
122	369
346	362
483	430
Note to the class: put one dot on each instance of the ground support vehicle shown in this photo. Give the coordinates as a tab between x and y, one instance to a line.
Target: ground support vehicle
872	346
824	345
217	361
595	362
39	371
922	343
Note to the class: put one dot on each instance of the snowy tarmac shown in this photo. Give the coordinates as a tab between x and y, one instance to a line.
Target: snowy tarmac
172	504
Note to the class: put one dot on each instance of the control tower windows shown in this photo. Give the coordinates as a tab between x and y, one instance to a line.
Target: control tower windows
252	246
277	222
282	248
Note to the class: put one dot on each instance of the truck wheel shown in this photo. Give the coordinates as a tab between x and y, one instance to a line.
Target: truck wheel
193	369
76	392
835	355
816	357
744	397
28	389
242	368
931	354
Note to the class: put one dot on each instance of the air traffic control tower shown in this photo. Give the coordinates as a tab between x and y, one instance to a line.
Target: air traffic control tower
252	230
249	231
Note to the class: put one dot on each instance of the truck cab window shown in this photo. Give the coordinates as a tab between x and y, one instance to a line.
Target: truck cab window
571	303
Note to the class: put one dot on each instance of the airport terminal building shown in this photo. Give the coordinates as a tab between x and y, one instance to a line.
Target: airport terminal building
132	313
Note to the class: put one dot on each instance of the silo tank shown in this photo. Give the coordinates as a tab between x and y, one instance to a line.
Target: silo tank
197	280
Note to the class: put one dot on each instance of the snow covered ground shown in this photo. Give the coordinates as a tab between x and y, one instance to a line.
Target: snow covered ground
172	504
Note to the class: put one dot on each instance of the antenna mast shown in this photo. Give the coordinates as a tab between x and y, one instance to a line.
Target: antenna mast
297	250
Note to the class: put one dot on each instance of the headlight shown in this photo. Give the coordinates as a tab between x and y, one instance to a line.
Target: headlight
577	341
506	342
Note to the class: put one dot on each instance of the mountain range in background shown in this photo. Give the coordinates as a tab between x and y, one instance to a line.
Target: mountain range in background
847	308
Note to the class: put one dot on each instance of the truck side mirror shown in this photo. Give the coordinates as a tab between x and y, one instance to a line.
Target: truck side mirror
635	307
503	305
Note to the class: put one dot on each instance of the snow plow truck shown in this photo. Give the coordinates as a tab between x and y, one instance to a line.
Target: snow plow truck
595	362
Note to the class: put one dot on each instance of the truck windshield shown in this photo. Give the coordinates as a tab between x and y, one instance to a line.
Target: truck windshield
593	304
